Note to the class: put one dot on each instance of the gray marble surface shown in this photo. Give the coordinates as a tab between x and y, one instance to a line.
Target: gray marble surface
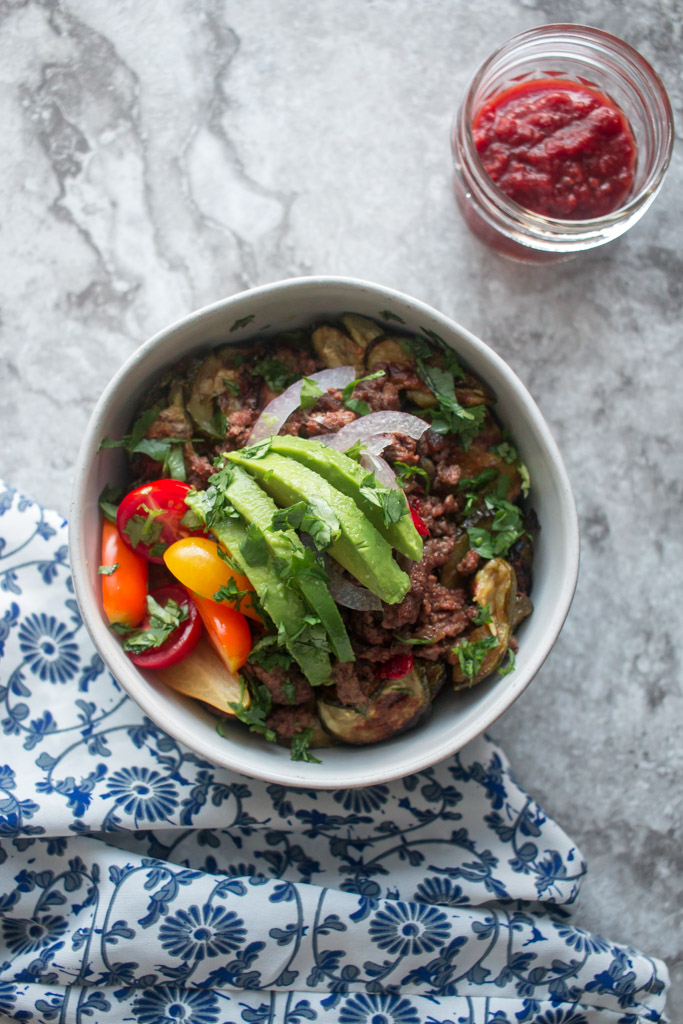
157	156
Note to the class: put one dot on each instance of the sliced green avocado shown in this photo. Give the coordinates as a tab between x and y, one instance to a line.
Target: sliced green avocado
360	549
347	476
255	506
284	608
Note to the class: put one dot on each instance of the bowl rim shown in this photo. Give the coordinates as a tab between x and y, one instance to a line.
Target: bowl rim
151	701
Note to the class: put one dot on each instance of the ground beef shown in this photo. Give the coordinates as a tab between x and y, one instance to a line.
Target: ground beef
198	468
403	614
171	422
354	682
327	416
287	722
469	564
402	450
275	678
435	513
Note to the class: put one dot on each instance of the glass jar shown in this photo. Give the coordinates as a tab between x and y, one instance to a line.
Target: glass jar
590	58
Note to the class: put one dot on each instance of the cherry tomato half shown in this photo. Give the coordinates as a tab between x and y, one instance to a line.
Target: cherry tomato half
196	563
148	518
227	630
182	640
124	590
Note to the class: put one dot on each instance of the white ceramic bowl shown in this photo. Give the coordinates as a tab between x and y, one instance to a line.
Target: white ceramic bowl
457	718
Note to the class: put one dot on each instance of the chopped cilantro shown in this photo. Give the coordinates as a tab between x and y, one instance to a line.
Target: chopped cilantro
404	473
314	517
107	570
163	620
276	375
310	393
254	451
356	450
357	405
289	690
392	503
508	666
242	322
256	713
450	417
413	640
509	453
231	593
109	502
506	528
267	653
219	424
300	747
191	520
145	529
386	314
253	548
231	386
471	654
483	616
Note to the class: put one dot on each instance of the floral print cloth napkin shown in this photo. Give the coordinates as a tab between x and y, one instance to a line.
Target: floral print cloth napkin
141	883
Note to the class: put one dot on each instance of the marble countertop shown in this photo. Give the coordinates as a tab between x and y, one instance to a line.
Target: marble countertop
155	157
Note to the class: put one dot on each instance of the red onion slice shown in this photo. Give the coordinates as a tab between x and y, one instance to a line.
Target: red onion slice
384	474
384	422
350	595
277	412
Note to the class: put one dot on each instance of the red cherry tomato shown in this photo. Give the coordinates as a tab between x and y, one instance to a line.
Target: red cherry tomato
151	516
396	667
182	640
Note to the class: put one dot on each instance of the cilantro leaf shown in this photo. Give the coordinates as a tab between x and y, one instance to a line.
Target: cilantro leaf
471	654
506	529
509	453
300	747
310	393
254	548
392	503
413	640
509	666
357	405
108	501
404	473
163	620
107	570
231	593
483	616
289	690
267	653
276	375
314	517
255	714
450	417
145	529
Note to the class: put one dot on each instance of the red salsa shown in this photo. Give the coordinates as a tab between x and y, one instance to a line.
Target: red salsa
557	148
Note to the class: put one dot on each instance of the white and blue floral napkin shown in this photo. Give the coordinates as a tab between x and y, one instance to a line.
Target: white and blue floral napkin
141	883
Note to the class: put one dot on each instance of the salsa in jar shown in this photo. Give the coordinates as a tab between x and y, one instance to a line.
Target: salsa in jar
558	148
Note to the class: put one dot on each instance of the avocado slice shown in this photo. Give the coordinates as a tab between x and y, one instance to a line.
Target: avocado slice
284	608
255	506
360	549
347	476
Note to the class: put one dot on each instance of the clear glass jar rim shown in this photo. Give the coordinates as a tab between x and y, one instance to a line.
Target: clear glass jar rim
527	219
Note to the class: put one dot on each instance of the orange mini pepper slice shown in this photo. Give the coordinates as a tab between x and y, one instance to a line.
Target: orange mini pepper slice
227	630
124	579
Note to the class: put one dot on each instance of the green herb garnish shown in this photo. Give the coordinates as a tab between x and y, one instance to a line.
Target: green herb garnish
505	530
276	375
108	501
163	620
357	405
404	473
471	654
257	712
254	548
300	747
107	570
314	517
310	393
509	666
231	593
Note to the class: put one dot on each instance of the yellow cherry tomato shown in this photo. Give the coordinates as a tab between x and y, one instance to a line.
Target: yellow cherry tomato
196	563
227	630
